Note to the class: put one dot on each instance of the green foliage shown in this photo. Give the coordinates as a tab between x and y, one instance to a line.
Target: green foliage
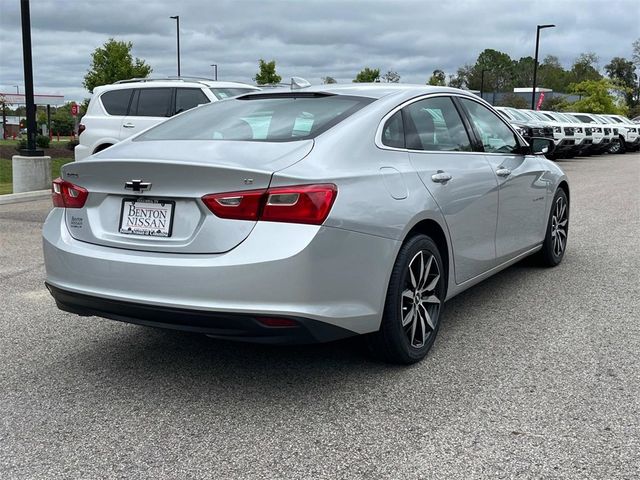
584	68
556	104
552	75
621	72
327	80
267	73
368	75
498	74
42	141
71	144
437	78
512	100
596	97
461	78
113	62
62	122
391	77
22	144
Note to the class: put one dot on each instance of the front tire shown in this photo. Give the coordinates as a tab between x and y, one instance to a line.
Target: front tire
555	240
618	146
414	304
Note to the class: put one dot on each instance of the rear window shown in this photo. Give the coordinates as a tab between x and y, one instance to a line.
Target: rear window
187	98
154	102
116	102
222	93
269	118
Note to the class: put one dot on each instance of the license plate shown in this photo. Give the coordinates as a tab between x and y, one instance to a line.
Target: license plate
148	217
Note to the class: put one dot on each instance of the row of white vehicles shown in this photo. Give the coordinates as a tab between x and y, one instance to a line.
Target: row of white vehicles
125	108
578	134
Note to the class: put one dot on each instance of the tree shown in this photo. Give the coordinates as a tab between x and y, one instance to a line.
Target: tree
635	57
552	75
368	75
437	78
513	100
461	78
585	67
391	77
596	97
326	80
267	73
113	62
621	72
62	122
523	72
498	68
556	104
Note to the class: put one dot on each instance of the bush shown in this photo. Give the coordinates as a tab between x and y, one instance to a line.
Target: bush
42	141
71	144
22	144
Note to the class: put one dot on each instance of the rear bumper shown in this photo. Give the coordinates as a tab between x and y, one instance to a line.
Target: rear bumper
247	328
322	274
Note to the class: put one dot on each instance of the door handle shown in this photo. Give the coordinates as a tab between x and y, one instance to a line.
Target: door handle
503	172
441	177
128	125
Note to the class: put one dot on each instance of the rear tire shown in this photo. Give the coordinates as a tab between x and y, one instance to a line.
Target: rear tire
555	240
414	304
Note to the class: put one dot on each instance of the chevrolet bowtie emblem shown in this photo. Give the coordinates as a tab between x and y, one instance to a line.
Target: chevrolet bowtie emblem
137	185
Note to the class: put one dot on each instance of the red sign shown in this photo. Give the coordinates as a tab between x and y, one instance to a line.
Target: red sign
75	109
540	100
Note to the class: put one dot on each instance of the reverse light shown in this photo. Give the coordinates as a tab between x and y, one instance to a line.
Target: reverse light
67	195
308	204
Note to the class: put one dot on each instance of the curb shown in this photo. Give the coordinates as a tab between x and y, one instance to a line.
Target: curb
24	197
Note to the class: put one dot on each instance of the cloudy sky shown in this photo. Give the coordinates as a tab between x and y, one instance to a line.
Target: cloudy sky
307	38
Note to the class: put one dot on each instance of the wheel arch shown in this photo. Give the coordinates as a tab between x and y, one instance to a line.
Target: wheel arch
102	146
564	185
433	230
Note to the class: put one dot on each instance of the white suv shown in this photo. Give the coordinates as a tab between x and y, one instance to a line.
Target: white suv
127	107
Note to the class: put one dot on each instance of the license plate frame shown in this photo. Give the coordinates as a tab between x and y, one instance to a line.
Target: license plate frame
143	231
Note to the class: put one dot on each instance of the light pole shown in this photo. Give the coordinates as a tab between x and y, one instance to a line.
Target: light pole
482	81
25	15
177	19
535	64
17	89
215	71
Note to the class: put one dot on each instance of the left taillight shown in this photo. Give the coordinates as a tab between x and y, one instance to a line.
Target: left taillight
67	195
308	204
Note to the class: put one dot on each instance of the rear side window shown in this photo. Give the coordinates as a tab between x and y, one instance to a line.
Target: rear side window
116	102
495	135
393	132
153	102
434	124
271	118
187	98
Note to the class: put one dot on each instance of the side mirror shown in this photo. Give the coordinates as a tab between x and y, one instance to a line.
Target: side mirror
541	145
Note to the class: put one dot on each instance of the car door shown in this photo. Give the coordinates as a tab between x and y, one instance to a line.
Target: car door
149	107
522	193
460	180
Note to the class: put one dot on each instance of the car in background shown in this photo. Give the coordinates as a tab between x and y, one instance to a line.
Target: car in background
629	132
599	142
609	133
636	119
526	127
584	135
305	216
128	107
563	136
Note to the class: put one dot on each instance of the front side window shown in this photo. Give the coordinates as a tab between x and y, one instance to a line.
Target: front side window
268	117
153	102
433	124
188	98
393	131
116	102
496	137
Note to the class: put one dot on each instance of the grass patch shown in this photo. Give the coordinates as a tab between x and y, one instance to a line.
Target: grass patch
6	173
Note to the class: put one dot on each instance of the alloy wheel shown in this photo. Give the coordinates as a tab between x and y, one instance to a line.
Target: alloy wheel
420	305
559	223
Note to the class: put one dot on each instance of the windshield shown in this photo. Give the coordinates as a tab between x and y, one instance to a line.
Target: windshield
222	93
518	115
539	116
261	117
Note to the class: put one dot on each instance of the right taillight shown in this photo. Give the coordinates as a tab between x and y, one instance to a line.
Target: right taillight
308	204
67	195
81	128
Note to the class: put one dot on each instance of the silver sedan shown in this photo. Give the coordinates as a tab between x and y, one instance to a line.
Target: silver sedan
305	216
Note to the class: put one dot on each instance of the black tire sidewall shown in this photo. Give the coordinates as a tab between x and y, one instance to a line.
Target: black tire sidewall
391	327
550	257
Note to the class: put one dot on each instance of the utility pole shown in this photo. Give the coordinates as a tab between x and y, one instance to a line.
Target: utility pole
30	151
215	71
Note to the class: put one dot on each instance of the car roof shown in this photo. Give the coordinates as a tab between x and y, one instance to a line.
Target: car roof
181	82
370	90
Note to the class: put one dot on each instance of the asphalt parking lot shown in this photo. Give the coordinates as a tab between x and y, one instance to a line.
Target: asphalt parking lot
535	374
